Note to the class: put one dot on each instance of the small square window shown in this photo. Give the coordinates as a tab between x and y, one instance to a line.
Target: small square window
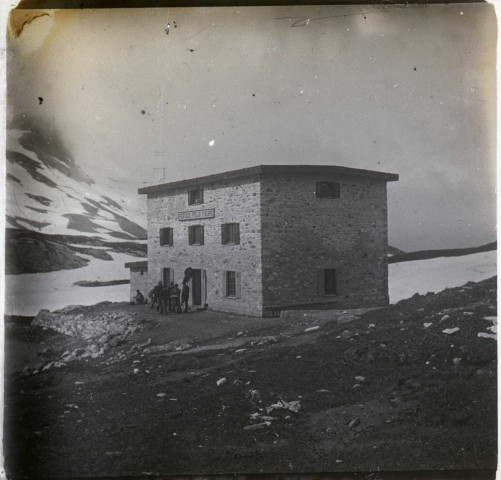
196	196
196	234
166	236
328	190
230	234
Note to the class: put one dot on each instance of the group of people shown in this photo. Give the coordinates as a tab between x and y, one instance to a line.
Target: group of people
168	298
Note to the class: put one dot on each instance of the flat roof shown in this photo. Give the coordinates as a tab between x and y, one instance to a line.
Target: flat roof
267	170
142	264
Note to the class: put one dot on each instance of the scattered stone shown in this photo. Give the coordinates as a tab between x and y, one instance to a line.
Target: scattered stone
257	426
346	319
353	423
456	360
359	378
323	390
298	357
293	406
427	325
480	335
136	370
311	329
372	325
444	318
240	350
450	331
114	454
266	340
161	394
221	381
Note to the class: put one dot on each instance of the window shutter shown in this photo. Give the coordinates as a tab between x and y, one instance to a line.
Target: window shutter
225	289
201	234
223	234
320	282
237	233
238	289
339	281
190	235
171	275
171	237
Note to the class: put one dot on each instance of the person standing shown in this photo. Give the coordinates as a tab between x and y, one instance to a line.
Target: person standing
178	298
185	295
155	293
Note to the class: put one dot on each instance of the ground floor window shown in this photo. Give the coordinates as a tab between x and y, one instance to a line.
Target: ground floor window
330	281
231	284
167	275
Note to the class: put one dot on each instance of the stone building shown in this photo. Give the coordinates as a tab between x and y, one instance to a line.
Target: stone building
273	237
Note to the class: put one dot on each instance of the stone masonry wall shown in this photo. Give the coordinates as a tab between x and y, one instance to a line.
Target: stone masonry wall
302	234
139	282
236	201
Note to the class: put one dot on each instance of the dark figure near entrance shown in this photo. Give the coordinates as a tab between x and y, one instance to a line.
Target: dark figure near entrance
178	298
185	295
154	294
172	296
139	298
163	301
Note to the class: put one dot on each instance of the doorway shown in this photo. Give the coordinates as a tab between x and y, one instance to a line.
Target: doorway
196	287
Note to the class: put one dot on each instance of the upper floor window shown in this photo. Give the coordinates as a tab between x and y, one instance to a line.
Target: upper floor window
166	236
196	234
196	196
328	190
230	233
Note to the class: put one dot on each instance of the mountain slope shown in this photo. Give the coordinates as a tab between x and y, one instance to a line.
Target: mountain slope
48	192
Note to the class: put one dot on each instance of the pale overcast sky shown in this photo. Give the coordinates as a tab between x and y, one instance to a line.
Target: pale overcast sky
409	90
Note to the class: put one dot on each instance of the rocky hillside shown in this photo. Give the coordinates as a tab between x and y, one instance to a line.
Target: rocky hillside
27	251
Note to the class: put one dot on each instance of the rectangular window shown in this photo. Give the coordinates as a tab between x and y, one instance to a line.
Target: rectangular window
230	233
166	274
330	281
196	196
328	190
231	284
167	236
196	234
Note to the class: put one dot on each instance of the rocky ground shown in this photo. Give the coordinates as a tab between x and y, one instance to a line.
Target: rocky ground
120	390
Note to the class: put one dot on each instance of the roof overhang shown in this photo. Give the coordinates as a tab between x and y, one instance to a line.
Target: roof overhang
330	170
142	264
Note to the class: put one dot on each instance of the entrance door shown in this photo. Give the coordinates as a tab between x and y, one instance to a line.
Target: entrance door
196	287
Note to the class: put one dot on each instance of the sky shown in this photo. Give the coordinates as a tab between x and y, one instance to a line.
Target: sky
407	90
